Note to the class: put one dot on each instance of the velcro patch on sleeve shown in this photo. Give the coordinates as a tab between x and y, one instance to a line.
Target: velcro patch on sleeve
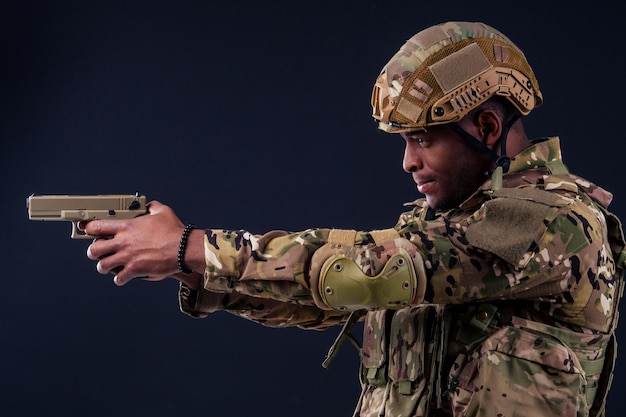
511	222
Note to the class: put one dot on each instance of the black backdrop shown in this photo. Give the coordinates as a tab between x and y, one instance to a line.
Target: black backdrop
239	115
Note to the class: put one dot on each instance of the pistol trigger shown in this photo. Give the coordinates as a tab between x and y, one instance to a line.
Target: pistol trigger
76	234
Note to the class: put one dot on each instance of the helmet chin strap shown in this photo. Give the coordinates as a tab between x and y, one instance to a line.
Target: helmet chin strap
502	161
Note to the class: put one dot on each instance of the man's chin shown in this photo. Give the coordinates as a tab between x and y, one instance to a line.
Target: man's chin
438	203
432	201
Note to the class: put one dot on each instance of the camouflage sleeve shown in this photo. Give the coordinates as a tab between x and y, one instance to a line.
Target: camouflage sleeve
268	312
262	278
544	247
539	246
267	278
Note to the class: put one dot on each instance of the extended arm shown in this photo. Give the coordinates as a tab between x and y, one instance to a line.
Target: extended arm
461	265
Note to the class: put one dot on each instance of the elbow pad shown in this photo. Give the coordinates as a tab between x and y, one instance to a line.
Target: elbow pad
389	275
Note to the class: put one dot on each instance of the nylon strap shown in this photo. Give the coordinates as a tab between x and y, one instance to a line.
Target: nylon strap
384	235
348	237
342	237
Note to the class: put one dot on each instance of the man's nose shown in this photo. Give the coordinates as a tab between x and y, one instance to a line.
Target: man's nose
411	161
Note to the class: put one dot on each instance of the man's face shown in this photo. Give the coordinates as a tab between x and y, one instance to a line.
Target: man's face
445	168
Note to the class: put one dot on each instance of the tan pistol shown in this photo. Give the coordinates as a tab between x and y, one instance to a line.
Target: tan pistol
76	208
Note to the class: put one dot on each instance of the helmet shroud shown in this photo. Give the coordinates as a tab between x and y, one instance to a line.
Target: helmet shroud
445	71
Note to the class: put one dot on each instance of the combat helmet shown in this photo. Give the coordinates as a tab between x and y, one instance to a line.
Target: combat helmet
443	72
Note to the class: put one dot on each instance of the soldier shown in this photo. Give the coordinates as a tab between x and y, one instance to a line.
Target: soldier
496	294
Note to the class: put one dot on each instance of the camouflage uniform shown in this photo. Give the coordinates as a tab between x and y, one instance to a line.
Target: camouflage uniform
515	314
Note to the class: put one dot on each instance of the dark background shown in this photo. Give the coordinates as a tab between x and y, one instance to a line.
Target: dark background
239	115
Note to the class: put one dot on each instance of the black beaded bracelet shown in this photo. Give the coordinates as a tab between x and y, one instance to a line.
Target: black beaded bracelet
182	247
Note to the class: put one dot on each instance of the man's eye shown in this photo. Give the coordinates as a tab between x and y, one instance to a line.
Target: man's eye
417	138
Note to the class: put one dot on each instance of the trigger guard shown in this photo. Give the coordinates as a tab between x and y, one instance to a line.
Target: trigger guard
76	234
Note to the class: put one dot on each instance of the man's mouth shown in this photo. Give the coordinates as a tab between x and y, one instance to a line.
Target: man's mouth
425	187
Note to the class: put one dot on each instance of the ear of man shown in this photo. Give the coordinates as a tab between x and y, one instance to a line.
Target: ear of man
488	125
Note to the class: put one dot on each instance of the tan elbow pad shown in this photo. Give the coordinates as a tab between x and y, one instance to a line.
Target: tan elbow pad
389	275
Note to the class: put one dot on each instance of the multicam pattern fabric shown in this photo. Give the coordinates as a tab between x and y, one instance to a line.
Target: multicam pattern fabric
517	312
446	70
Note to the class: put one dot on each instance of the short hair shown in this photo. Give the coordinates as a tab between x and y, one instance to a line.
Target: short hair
500	105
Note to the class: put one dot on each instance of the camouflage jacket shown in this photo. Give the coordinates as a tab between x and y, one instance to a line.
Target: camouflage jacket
517	308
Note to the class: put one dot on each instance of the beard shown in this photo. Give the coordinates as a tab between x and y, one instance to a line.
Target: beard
459	185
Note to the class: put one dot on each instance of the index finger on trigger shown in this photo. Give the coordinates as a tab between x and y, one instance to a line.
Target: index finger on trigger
103	227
